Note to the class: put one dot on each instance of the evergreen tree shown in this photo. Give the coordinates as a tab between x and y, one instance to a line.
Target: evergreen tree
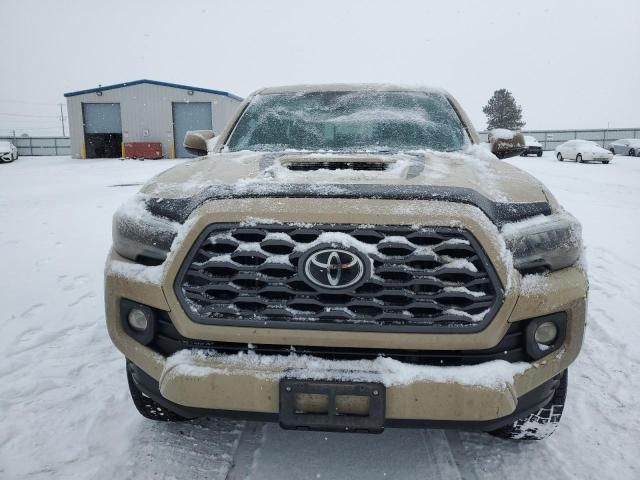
502	111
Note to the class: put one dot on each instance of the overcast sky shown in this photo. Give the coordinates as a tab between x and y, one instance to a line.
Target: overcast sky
570	63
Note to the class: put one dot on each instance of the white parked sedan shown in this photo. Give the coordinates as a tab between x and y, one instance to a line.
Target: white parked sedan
583	151
626	146
8	152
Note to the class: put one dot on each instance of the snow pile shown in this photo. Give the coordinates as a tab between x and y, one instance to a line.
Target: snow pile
497	374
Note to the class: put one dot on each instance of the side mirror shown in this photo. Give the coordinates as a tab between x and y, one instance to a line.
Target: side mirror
196	141
505	143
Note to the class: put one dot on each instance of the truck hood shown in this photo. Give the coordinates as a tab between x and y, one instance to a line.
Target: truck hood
475	169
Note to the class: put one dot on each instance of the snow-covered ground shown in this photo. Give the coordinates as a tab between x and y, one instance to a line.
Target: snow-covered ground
64	405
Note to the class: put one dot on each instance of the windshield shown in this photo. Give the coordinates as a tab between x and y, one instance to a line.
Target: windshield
349	121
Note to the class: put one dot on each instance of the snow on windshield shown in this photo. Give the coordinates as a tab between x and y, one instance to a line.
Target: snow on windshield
349	121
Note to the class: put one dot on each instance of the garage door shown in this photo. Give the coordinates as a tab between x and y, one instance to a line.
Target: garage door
102	118
189	116
102	130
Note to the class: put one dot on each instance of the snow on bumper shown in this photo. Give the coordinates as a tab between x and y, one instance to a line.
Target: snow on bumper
249	382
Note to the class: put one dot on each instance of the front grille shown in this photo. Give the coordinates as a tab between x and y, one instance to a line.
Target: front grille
304	166
422	279
511	348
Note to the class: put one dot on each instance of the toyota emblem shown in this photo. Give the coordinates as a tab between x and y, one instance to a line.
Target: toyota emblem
334	268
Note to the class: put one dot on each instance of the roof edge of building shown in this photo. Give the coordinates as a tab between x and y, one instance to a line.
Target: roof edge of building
152	82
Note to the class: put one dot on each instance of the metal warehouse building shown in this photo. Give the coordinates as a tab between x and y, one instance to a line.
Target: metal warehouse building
143	118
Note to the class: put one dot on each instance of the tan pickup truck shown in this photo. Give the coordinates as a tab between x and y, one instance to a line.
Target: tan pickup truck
348	258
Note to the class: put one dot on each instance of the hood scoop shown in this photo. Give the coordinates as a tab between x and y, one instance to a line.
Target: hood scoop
336	163
306	166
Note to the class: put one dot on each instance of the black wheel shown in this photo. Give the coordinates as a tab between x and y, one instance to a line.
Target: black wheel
559	156
605	161
539	154
148	407
632	153
579	158
541	424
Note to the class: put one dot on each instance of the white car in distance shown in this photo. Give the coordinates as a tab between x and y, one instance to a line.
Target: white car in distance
582	151
626	146
8	152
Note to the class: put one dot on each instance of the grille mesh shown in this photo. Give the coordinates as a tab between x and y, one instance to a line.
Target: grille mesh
422	278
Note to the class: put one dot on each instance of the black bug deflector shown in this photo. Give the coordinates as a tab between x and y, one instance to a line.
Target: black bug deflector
179	209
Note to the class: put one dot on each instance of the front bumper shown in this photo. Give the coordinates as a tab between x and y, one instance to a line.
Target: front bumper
465	396
526	404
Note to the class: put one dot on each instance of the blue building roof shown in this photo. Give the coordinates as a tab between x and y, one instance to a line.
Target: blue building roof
152	82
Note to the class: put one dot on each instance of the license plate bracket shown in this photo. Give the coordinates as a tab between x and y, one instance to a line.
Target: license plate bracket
372	395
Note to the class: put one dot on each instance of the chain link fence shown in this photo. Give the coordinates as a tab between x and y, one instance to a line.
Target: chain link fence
550	139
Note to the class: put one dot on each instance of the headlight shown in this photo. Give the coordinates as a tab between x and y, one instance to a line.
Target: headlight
140	236
544	243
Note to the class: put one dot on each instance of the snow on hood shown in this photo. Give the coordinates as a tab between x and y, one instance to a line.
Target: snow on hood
531	141
474	168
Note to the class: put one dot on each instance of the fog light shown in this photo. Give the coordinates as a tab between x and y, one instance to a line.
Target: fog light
546	333
139	320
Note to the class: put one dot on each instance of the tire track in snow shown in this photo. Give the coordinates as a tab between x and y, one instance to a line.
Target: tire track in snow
195	450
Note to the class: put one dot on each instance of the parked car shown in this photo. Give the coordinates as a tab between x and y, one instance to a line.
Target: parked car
8	152
336	261
626	146
583	151
533	146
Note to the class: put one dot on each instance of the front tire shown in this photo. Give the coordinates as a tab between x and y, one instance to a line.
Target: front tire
632	153
612	151
579	158
149	408
541	424
559	156
539	154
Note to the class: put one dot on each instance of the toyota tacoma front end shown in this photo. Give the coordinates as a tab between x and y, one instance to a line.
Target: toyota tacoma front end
348	258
